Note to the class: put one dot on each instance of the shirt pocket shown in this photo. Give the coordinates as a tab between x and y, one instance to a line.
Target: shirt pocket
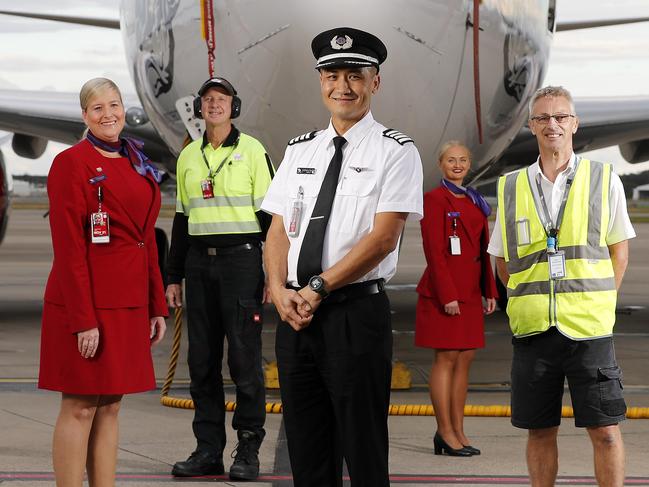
236	178
355	203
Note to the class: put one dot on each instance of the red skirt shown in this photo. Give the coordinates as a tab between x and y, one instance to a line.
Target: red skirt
122	364
436	329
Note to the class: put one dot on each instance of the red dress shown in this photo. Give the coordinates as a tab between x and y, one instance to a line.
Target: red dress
465	277
114	286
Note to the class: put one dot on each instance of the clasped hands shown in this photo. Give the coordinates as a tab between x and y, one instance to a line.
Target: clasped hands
296	307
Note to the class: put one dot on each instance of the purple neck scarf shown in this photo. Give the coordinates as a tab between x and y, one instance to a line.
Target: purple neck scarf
132	150
473	194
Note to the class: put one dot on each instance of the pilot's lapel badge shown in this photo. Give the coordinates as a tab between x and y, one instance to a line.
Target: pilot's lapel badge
341	42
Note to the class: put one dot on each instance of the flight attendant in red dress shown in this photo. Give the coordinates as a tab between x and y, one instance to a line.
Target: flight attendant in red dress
104	301
450	306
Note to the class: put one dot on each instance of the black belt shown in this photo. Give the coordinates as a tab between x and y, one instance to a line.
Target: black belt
352	291
226	250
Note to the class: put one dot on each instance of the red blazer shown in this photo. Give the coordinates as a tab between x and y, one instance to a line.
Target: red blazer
85	276
465	277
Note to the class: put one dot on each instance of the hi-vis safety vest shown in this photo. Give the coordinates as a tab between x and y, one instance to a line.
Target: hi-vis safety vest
582	304
239	187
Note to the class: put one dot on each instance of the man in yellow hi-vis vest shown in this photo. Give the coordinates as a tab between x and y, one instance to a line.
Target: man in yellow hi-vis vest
216	241
561	247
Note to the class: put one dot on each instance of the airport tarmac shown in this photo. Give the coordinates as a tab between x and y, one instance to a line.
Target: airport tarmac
153	437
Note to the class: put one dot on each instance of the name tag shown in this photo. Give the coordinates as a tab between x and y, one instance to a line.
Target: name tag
306	170
557	265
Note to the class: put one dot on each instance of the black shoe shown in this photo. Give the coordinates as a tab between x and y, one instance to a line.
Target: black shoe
472	449
246	457
198	464
442	447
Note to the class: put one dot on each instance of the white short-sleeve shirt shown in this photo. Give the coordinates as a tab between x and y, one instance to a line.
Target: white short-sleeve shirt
619	225
379	174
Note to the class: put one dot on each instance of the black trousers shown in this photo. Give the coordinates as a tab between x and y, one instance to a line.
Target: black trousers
335	384
224	300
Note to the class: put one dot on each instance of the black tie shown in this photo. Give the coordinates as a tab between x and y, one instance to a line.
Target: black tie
310	261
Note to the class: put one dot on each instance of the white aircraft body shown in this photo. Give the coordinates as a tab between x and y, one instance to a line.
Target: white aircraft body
456	69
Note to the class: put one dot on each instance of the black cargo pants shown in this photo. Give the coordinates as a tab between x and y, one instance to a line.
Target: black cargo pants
223	296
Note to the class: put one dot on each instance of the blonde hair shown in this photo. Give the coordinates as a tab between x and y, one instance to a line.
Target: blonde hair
452	143
553	92
93	87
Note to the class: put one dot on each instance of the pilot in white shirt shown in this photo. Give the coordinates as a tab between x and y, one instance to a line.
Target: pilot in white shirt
339	201
381	172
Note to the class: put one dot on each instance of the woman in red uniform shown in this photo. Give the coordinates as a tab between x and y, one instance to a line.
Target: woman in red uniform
450	307
104	300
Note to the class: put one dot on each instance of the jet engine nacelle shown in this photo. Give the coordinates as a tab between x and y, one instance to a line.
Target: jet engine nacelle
4	198
636	151
28	146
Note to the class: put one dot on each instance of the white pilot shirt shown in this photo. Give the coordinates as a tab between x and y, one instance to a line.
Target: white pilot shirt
377	175
619	225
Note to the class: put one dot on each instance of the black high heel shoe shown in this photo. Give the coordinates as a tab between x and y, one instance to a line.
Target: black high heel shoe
472	449
442	447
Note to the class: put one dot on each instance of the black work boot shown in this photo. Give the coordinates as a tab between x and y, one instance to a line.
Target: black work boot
246	457
199	463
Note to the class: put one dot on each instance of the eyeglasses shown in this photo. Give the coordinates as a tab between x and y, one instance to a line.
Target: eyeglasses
561	118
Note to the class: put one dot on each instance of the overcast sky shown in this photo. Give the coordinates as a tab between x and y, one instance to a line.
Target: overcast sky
42	55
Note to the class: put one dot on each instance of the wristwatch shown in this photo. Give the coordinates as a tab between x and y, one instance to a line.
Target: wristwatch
317	285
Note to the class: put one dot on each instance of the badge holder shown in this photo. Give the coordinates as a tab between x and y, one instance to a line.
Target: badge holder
207	188
557	264
99	223
454	240
556	258
523	232
296	214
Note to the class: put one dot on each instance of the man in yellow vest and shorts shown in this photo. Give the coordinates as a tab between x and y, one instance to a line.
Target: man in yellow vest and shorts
561	247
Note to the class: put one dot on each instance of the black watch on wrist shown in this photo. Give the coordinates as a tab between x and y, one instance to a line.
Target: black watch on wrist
317	285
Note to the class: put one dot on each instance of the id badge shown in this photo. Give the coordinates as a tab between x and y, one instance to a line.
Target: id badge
99	227
523	231
207	189
454	242
557	265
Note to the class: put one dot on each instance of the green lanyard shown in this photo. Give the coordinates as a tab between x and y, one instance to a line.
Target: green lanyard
220	166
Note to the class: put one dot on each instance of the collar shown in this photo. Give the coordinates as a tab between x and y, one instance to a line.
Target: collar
229	141
355	134
535	169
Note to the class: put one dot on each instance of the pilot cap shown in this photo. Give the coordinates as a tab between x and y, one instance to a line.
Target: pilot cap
220	82
345	47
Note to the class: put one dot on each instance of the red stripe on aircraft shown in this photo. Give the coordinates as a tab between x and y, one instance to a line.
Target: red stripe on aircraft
476	66
208	28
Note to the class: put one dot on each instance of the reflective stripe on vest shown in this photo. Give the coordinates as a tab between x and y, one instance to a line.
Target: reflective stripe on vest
581	305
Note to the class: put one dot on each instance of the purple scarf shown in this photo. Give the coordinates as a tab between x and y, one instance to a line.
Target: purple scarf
132	150
476	197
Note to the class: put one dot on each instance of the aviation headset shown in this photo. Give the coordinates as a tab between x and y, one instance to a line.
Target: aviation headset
235	109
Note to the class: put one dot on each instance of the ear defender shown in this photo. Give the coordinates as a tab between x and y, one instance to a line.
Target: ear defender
197	107
235	109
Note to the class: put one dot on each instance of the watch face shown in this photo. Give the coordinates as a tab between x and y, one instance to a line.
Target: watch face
316	282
